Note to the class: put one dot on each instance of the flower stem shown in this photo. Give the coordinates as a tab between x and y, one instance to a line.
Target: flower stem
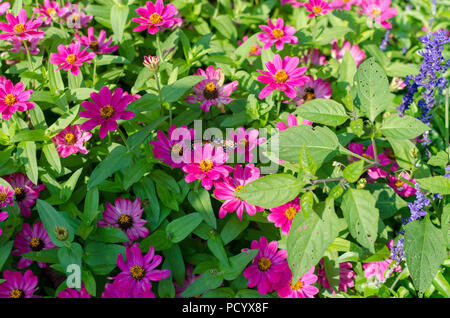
30	62
94	73
158	86
124	139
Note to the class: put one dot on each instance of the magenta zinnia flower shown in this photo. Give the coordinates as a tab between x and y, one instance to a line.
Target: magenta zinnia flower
20	27
374	173
346	276
3	216
172	148
378	269
6	196
400	187
4	7
338	53
268	267
139	271
211	90
283	75
311	90
283	215
317	58
73	293
208	165
71	140
379	11
155	16
70	58
303	288
14	98
255	50
125	215
48	11
26	192
18	286
31	239
105	109
121	290
278	34
294	3
246	141
18	46
226	190
98	45
317	8
344	4
74	16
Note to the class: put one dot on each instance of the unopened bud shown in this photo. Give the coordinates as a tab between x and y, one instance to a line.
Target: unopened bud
413	153
61	233
361	184
152	63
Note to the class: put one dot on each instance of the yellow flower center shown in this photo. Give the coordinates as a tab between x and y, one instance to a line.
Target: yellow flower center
239	187
281	76
376	12
398	183
50	10
264	264
10	99
137	272
35	242
155	18
19	28
71	59
298	285
345	1
94	45
277	33
290	213
107	112
70	139
210	87
254	49
177	149
317	9
206	165
243	143
17	293
18	191
366	156
3	197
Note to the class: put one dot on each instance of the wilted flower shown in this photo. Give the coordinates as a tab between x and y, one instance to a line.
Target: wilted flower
152	63
71	140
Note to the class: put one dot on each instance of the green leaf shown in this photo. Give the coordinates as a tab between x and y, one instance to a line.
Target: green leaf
238	263
232	229
225	26
244	49
404	150
357	126
101	257
27	154
438	184
405	127
201	202
137	139
51	219
109	235
309	238
165	180
209	280
91	209
63	121
271	191
145	189
105	59
181	227
329	34
347	70
215	245
425	251
174	257
353	171
70	255
69	185
30	135
306	161
5	249
332	271
135	172
445	224
440	159
52	156
118	18
158	239
323	111
358	207
373	88
118	159
387	201
89	282
172	93
46	256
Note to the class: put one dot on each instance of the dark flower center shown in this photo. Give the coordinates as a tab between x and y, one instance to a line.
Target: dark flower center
177	149
137	272
210	91
94	46
20	194
17	293
264	264
309	94
107	112
36	244
125	222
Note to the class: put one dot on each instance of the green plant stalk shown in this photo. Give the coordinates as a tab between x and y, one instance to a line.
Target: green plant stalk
446	124
94	73
158	86
30	62
123	139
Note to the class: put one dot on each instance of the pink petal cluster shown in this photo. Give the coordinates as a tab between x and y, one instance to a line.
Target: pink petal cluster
292	121
338	53
18	46
49	11
3	217
74	16
303	288
154	16
246	141
255	50
317	58
379	11
374	173
99	45
6	196
71	140
211	90
346	277
345	4
378	269
21	27
294	3
278	34
105	109
400	187
4	7
317	8
228	190
70	58
311	90
14	98
283	215
73	293
283	75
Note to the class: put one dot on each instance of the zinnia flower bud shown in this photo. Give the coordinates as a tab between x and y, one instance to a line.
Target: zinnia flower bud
61	233
152	63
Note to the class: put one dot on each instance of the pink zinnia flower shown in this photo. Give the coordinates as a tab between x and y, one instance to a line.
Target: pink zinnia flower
338	53
246	141
127	216
283	215
226	190
98	45
121	290
317	58
20	27
74	16
255	50
294	3
18	286
189	279
208	165
283	75
155	16
4	7
278	34
400	187
31	239
138	271
317	8
6	196
152	63
379	11
71	58
172	148
48	11
374	173
14	98
211	90
303	288
71	140
26	192
3	216
344	4
292	121
346	276
73	293
378	269
268	267
311	90
18	46
105	109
